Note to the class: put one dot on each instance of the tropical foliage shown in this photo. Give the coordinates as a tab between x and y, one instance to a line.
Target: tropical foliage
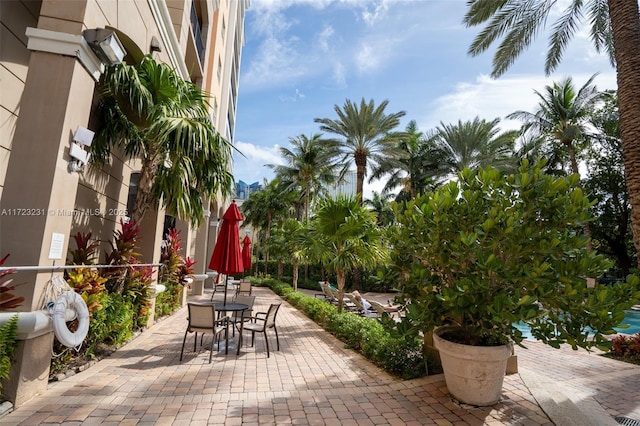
614	28
490	250
309	167
345	236
150	113
367	136
471	144
562	117
413	171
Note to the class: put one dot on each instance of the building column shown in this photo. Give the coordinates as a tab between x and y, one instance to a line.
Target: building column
39	193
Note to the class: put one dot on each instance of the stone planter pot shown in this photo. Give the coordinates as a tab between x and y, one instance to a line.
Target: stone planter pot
474	374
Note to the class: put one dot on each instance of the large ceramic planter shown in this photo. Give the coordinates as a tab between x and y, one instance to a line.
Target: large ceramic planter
474	374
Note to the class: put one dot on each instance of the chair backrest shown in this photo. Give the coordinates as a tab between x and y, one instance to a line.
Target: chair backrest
245	299
244	287
201	315
270	321
377	306
355	301
330	292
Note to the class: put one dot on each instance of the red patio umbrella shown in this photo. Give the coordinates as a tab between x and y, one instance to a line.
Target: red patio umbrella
246	252
227	257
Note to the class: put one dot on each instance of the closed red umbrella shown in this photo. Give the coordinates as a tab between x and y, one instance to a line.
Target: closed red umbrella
227	256
246	252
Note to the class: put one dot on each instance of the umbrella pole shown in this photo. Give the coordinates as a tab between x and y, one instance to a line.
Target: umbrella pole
226	283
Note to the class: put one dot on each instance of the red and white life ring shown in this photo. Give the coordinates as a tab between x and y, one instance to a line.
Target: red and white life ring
70	300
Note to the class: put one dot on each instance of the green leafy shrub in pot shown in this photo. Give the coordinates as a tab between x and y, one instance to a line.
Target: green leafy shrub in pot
490	250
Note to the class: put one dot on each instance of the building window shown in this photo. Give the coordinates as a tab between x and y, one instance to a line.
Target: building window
134	181
223	29
219	69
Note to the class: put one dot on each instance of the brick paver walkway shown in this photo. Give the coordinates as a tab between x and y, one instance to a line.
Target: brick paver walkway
312	380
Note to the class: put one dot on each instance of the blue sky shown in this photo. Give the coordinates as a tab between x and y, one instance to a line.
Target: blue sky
302	57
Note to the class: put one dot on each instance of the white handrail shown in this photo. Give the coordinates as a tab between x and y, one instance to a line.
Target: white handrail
63	267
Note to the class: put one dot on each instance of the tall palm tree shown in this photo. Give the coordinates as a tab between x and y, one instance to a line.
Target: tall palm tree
368	136
615	28
345	236
472	144
563	115
309	166
413	171
151	113
265	207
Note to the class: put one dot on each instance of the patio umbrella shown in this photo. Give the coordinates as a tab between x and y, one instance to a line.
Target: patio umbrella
227	257
246	252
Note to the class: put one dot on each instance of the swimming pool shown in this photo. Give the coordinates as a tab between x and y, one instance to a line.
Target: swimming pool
631	317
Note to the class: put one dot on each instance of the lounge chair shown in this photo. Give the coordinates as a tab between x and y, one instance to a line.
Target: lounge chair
385	309
359	309
333	298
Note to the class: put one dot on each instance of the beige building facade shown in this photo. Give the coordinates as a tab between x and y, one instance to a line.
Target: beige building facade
48	78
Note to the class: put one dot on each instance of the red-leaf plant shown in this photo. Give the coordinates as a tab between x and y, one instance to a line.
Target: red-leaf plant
8	300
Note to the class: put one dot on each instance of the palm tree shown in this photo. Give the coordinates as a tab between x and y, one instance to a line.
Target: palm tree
563	115
295	243
380	205
413	171
368	133
152	114
264	207
345	236
472	144
615	28
309	166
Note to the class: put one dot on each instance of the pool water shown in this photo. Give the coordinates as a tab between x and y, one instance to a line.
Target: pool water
632	318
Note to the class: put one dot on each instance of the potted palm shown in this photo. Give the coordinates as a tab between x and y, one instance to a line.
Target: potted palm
488	252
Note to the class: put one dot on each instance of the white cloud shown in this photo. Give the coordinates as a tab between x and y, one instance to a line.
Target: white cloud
340	74
495	98
276	62
252	167
324	38
372	13
292	98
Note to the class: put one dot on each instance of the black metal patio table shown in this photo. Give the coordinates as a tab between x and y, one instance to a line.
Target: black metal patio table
233	307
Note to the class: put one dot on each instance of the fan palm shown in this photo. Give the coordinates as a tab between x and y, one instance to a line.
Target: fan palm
472	144
345	236
614	28
151	113
309	166
368	136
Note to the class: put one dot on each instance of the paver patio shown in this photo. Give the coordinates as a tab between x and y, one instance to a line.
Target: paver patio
314	380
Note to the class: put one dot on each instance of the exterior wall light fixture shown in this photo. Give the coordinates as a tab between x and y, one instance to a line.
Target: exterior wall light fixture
79	157
105	44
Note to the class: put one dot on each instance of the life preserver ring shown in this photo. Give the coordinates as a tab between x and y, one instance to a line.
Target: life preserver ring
70	300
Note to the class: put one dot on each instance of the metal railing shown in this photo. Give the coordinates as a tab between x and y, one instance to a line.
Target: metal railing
54	268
